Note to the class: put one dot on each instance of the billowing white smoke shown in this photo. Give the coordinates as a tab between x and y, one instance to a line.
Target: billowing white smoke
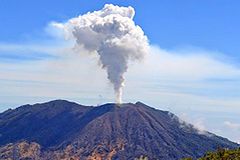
112	34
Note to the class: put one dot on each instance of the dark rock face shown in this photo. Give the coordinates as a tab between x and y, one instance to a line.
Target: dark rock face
63	130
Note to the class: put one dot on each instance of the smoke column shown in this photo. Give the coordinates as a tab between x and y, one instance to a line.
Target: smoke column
112	34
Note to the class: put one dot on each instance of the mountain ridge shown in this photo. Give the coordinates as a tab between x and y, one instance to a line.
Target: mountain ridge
108	131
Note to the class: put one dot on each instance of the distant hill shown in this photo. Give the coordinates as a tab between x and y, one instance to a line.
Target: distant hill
63	130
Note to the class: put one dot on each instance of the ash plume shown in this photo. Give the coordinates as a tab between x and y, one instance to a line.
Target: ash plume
112	34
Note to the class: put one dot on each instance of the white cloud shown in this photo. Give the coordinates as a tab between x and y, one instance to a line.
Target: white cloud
198	123
232	125
108	33
29	48
186	66
185	81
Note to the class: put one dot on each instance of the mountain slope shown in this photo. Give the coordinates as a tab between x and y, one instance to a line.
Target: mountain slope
61	129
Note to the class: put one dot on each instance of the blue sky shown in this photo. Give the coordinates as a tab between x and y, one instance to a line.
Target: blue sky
208	24
193	69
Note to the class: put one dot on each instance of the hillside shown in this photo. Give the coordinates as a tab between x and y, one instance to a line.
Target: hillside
220	154
62	130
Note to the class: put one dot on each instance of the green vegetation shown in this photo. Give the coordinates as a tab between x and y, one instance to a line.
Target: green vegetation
220	154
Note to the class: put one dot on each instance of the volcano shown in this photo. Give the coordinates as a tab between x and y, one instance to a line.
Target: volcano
65	130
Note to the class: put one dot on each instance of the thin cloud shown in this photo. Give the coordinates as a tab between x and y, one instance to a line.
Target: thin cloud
187	66
232	125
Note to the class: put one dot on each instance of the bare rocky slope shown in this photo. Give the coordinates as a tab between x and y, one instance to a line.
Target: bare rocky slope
65	130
